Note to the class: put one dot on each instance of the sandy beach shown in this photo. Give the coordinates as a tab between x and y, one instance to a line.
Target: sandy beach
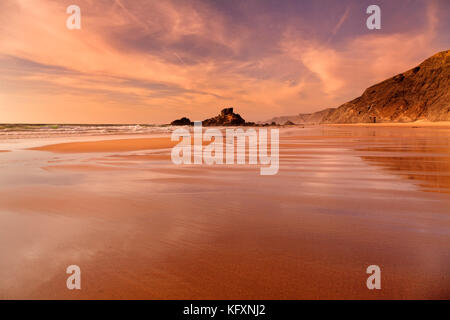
140	227
119	145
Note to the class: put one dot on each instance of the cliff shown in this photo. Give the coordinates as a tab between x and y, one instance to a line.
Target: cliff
302	118
421	93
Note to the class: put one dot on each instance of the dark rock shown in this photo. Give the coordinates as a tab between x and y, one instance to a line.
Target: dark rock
182	122
226	118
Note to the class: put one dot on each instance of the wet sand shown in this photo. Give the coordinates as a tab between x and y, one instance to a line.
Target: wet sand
117	145
140	227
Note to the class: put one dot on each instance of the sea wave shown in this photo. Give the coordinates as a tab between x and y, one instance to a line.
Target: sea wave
20	131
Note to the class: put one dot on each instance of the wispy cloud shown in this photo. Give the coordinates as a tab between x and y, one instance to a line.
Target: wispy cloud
341	21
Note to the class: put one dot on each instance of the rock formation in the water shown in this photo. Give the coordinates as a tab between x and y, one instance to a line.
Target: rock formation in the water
182	122
226	118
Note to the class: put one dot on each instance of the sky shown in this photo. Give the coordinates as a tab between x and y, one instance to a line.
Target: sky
153	61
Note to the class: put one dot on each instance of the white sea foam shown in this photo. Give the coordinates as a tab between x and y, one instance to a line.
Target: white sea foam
21	131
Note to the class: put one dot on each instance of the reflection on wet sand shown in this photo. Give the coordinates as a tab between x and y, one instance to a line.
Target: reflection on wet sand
423	159
141	227
431	173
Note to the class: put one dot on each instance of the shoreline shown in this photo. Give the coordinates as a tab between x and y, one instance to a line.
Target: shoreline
130	143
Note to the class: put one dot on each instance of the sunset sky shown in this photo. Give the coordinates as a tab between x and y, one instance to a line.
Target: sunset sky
136	61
